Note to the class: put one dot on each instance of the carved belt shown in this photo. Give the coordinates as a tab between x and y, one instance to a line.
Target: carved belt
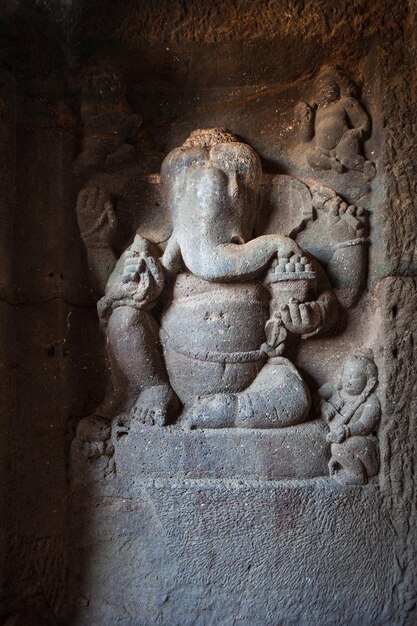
250	356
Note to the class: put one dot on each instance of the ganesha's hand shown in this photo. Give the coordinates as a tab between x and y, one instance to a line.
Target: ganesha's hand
276	334
133	267
346	221
142	278
301	318
96	217
286	247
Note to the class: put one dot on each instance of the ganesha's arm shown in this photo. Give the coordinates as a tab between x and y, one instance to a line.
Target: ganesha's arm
241	261
347	270
136	281
230	261
329	310
113	290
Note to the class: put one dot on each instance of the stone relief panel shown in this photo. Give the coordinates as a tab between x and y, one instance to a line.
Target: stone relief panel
108	121
202	332
333	135
251	455
204	325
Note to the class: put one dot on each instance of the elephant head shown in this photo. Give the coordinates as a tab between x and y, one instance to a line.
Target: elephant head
211	186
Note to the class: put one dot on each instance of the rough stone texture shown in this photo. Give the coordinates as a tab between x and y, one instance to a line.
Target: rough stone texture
7	212
398	158
317	553
399	297
202	573
226	453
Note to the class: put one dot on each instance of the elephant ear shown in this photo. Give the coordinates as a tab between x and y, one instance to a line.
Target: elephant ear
286	206
311	214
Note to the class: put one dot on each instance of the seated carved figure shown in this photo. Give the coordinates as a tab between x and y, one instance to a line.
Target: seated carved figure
336	125
107	119
217	359
201	331
352	411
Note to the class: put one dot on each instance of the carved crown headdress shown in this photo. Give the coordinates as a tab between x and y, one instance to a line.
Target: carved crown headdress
208	137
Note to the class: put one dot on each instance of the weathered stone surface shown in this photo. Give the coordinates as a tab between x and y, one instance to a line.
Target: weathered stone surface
399	298
199	571
171	549
295	452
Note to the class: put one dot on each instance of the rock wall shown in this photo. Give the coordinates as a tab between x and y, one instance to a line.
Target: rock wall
163	524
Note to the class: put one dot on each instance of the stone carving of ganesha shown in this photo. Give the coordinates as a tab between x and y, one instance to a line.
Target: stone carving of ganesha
199	333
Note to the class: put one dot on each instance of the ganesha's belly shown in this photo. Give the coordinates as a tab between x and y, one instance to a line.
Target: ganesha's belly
212	334
215	317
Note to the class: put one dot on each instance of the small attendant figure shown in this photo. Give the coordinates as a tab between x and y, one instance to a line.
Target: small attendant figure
336	125
352	411
108	121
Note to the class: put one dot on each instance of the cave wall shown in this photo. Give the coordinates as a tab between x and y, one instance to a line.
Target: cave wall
169	548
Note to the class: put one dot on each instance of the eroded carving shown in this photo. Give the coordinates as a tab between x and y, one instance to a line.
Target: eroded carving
352	411
229	304
335	125
321	223
107	119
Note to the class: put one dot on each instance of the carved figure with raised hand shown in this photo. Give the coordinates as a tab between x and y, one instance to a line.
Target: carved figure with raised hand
215	303
133	283
107	119
229	301
97	221
352	411
336	125
132	332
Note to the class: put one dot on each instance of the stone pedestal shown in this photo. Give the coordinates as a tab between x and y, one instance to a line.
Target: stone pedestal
209	551
179	525
295	452
142	453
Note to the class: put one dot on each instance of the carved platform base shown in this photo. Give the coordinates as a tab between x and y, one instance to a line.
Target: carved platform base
296	452
145	452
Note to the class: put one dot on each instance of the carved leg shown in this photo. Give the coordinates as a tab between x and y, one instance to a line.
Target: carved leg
345	466
368	454
318	160
348	152
277	398
133	338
